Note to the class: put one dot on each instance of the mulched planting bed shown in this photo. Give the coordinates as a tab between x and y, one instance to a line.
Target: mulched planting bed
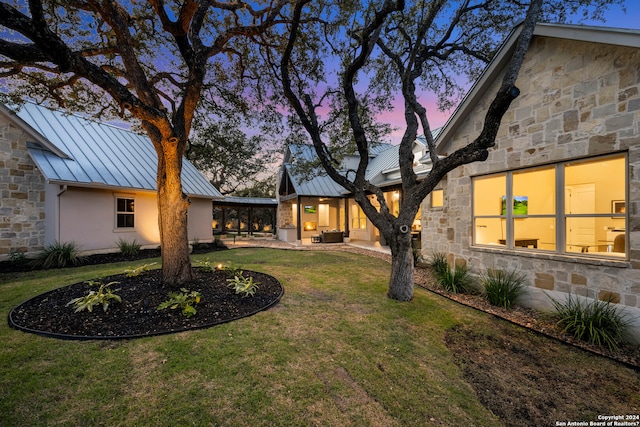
137	316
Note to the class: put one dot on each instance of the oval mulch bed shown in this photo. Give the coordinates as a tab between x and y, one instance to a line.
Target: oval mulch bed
137	316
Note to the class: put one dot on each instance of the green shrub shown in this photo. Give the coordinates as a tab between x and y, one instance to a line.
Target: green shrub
102	296
184	300
502	288
129	248
439	263
243	285
596	322
456	280
17	258
58	255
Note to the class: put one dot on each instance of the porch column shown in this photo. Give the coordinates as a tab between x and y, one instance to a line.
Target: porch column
223	225
298	219
346	216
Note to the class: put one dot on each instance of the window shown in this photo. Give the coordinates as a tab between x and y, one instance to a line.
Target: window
358	218
437	198
571	207
125	212
323	215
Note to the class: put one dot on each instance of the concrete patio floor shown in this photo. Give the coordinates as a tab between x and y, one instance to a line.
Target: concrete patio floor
270	242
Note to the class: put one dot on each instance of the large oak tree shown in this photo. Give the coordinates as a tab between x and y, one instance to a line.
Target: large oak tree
147	61
386	48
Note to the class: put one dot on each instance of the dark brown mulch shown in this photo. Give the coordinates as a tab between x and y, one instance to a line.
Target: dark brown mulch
137	315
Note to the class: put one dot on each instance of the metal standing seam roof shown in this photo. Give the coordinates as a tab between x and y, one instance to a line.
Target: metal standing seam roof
385	157
321	184
101	155
386	160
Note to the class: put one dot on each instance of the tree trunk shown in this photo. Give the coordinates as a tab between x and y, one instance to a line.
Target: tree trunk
172	219
401	281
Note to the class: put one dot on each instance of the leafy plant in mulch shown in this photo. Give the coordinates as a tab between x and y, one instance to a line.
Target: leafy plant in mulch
243	285
103	296
137	271
596	322
502	288
184	300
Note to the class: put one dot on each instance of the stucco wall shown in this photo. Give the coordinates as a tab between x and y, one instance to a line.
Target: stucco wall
577	100
199	220
87	217
22	195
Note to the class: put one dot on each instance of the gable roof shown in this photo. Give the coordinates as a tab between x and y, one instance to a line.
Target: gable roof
69	149
603	35
382	164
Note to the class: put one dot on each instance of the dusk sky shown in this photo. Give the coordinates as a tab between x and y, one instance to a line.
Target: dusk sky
615	17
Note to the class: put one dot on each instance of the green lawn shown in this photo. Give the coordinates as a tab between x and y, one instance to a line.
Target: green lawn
334	352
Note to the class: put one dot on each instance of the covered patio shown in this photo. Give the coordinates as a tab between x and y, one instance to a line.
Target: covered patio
244	215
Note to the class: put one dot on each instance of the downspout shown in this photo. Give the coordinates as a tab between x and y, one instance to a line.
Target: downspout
63	189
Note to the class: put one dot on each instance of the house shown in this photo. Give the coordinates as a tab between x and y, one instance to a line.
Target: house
67	179
311	203
558	199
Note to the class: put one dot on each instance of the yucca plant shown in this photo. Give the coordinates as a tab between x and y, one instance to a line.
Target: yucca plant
58	255
502	288
596	322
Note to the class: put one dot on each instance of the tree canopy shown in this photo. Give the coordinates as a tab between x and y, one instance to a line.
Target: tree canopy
148	62
343	59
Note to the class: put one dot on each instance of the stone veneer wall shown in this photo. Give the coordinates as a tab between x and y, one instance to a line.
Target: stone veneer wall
285	213
22	195
577	99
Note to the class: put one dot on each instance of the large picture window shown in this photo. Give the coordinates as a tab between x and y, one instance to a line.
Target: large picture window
125	212
571	207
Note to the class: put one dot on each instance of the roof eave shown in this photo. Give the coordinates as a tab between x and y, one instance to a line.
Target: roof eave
102	186
31	132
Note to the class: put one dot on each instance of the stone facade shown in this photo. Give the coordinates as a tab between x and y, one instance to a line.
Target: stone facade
578	99
22	195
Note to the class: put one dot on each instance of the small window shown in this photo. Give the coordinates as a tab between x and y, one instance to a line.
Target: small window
437	198
125	212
